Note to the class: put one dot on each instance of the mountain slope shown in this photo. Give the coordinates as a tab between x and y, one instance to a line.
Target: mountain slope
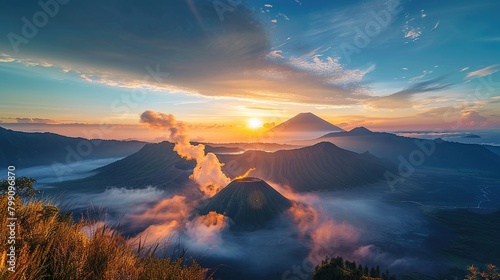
319	167
322	166
437	153
302	124
250	202
23	149
155	164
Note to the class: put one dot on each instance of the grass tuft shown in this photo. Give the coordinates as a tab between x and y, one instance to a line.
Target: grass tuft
50	245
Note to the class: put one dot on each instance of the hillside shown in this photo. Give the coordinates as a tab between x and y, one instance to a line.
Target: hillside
53	246
322	166
445	154
23	149
155	164
319	167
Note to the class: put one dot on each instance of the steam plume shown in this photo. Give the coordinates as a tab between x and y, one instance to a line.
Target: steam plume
246	174
326	235
207	173
204	231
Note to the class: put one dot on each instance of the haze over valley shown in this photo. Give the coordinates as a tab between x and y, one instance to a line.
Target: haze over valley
359	194
223	139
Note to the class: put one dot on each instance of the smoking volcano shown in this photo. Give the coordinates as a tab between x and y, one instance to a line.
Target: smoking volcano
250	202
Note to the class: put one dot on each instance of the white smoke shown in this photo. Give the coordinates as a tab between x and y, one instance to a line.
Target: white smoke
207	173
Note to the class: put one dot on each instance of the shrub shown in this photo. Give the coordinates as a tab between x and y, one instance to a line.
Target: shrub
340	269
491	273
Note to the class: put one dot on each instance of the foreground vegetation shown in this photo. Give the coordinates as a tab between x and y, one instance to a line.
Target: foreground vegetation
338	269
50	245
490	274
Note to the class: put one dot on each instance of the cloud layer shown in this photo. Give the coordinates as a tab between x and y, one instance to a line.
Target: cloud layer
403	98
174	46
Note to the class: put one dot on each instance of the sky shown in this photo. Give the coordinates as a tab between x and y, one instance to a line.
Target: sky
71	66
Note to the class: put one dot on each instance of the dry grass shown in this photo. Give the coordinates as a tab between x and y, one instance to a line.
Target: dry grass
51	246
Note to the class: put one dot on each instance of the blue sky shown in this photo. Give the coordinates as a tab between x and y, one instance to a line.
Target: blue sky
382	64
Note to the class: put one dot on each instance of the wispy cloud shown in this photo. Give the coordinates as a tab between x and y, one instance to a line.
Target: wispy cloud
275	54
6	58
342	24
436	25
483	72
403	98
426	86
415	25
472	119
36	120
416	78
412	33
262	108
331	69
490	39
280	14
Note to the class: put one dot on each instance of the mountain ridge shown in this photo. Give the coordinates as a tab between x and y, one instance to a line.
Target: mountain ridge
158	165
27	149
444	154
321	166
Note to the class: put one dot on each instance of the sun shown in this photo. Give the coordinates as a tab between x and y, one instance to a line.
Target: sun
254	123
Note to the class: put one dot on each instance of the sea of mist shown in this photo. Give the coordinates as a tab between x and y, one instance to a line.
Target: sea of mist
357	224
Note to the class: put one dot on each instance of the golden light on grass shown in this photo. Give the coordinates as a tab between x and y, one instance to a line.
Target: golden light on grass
50	245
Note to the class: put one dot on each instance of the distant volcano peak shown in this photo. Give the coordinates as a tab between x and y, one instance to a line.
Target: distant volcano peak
306	114
360	130
305	122
250	202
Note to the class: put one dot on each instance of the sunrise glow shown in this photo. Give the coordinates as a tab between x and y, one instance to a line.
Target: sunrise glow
254	123
267	139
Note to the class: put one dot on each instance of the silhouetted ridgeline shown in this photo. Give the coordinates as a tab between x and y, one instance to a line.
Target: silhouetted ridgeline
155	164
26	149
319	167
437	153
322	166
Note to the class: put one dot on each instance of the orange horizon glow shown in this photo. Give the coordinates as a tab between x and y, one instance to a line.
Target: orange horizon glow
239	128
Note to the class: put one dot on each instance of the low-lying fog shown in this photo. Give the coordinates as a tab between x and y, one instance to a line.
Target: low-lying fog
55	173
370	225
356	224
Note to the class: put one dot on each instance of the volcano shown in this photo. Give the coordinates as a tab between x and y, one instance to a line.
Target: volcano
305	122
250	202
